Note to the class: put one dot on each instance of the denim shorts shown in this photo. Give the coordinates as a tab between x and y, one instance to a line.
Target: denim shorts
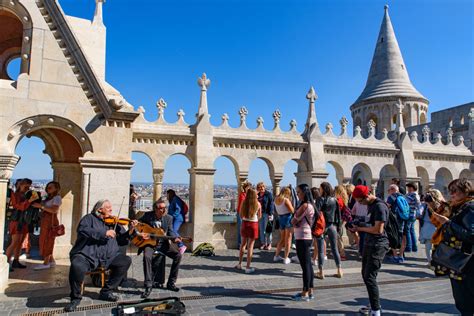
285	221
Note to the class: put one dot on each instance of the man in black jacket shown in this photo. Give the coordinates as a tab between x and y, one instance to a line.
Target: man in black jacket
97	245
158	218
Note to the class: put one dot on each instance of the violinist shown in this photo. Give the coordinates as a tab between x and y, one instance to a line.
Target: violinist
159	218
97	245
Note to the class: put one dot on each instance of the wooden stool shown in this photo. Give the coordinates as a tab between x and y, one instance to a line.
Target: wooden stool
99	271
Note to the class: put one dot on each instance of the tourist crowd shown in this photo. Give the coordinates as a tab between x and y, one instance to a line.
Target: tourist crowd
310	219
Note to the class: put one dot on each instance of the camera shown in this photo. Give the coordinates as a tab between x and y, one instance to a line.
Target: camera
356	223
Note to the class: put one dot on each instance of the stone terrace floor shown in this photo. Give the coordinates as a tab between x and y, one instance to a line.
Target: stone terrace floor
211	286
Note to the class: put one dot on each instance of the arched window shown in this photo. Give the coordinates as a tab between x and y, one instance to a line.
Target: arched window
15	41
423	118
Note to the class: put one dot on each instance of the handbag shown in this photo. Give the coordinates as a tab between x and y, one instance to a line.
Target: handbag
56	230
451	258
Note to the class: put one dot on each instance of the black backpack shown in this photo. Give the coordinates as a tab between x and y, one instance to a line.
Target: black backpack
393	231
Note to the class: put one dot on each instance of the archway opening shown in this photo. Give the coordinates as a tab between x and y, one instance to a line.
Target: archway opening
289	177
466	174
336	173
361	174
259	171
387	173
141	184
442	179
225	191
424	184
176	177
10	44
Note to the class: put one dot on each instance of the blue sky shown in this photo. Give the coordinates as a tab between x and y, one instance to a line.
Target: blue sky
265	55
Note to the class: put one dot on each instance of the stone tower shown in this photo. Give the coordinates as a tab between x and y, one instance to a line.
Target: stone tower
388	84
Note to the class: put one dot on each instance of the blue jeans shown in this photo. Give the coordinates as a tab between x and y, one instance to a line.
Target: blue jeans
261	228
411	238
331	232
239	224
177	222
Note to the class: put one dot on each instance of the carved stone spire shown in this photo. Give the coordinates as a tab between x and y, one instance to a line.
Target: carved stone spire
204	83
98	20
311	120
400	127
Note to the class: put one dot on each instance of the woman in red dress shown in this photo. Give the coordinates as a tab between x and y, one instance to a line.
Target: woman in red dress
17	227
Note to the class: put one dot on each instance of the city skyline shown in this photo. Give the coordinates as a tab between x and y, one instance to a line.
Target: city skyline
267	60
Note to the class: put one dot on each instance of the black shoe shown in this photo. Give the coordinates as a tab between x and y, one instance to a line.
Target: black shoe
110	297
71	307
147	292
172	287
17	264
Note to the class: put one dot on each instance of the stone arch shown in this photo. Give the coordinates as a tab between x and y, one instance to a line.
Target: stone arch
387	173
361	174
225	205
339	171
422	173
15	39
442	179
466	174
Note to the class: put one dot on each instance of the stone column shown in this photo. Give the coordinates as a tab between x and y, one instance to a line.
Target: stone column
313	179
158	183
201	205
277	177
7	164
69	176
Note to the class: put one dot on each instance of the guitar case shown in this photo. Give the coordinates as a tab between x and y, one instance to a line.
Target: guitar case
164	306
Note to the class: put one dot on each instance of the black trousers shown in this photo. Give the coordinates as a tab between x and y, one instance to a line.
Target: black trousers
80	265
372	257
463	293
304	256
150	263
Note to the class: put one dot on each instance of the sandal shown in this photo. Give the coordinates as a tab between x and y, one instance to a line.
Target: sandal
319	275
238	267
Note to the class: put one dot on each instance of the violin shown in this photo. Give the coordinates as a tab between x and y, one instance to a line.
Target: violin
114	220
154	233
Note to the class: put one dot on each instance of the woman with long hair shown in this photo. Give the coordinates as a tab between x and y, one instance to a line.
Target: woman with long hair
285	209
250	213
302	221
458	233
17	227
243	193
342	200
328	206
49	218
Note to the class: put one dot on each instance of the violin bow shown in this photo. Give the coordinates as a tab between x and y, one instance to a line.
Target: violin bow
120	211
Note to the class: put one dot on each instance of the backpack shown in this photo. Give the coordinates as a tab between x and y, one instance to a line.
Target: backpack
204	249
403	208
319	225
393	231
184	207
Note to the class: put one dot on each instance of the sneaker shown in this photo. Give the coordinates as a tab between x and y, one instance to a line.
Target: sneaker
249	270
400	259
325	258
286	260
23	256
42	266
277	258
365	310
17	264
375	313
393	260
293	246
71	307
295	259
182	249
314	262
300	298
311	296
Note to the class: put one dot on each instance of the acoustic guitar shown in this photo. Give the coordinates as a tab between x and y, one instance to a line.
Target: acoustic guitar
155	234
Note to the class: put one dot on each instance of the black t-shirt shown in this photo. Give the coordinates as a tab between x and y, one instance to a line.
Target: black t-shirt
377	212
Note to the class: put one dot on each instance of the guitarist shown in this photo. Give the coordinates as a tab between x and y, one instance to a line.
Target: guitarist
159	218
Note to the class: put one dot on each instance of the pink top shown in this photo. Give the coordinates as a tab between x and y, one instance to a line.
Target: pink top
302	229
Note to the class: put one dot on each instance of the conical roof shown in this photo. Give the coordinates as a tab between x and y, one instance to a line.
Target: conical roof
388	76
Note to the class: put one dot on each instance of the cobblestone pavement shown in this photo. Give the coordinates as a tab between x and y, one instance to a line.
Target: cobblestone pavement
212	286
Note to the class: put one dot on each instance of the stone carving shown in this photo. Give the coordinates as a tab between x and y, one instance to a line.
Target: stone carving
426	133
357	131
460	140
204	82
292	125
180	115
259	122
371	128
161	105
225	119
276	117
117	103
471	115
344	122
437	138
329	128
449	136
311	95
384	133
243	112
413	136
